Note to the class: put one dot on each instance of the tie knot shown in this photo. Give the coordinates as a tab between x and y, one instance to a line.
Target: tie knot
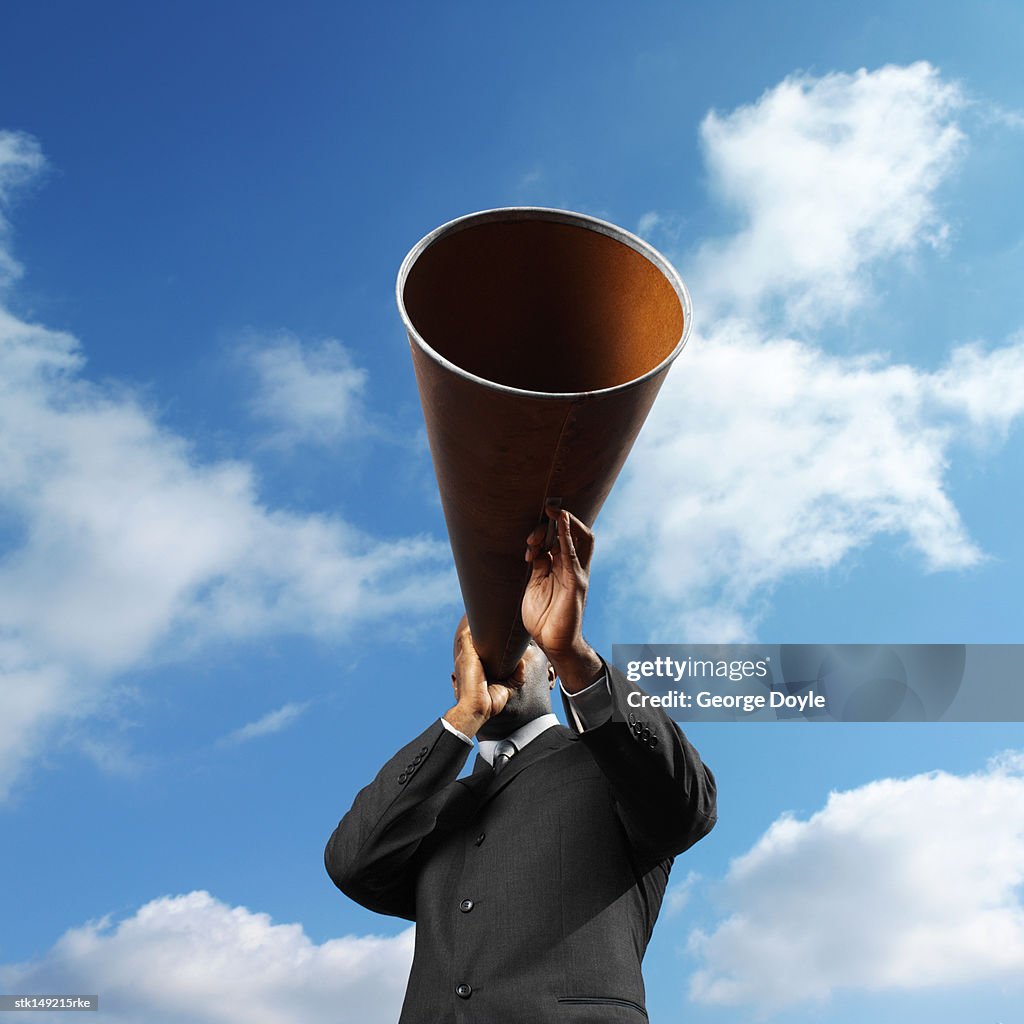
503	752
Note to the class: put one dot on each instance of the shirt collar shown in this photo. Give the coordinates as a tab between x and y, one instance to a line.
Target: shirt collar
521	737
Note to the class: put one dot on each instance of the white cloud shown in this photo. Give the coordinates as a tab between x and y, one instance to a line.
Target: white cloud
309	393
273	721
765	456
774	458
901	884
677	896
827	175
121	546
193	958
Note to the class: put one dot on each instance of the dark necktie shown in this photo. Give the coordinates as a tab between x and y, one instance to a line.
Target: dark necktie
503	754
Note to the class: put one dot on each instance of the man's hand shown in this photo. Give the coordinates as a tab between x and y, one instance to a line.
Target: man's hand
476	700
556	596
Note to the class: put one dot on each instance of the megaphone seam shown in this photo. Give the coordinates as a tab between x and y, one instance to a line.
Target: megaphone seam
547	490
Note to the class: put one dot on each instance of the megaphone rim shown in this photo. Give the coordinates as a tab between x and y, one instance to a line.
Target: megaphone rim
571	217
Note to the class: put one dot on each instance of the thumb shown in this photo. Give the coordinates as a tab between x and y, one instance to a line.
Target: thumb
499	697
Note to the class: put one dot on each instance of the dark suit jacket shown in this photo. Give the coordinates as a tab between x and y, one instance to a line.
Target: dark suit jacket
535	891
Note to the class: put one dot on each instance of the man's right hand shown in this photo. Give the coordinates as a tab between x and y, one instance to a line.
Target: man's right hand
476	700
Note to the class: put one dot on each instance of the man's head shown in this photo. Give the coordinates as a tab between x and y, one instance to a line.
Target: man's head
530	688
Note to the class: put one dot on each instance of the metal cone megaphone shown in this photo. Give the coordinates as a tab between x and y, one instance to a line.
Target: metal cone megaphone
539	340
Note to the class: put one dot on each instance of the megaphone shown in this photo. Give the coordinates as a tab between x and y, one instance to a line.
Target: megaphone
539	340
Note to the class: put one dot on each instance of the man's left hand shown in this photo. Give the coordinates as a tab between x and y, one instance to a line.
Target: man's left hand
556	596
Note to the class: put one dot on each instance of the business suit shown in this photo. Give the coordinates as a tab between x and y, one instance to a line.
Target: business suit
534	891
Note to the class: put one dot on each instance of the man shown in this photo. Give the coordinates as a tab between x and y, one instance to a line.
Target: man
535	881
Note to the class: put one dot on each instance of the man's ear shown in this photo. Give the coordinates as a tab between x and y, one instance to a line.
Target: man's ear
552	676
455	686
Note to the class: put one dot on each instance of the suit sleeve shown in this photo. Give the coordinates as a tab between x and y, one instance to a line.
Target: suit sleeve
664	794
371	855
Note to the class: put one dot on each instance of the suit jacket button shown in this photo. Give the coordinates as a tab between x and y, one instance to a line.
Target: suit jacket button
402	778
480	838
464	991
653	741
423	751
631	718
466	906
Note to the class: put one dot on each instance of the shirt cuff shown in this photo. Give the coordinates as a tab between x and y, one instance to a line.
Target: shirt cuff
591	706
451	728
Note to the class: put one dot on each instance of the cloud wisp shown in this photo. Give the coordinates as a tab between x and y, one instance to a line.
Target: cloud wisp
268	724
21	160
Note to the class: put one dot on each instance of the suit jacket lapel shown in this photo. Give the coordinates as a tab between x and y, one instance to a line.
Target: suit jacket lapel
478	780
482	784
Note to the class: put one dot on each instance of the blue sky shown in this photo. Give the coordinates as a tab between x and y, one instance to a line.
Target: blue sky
225	589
